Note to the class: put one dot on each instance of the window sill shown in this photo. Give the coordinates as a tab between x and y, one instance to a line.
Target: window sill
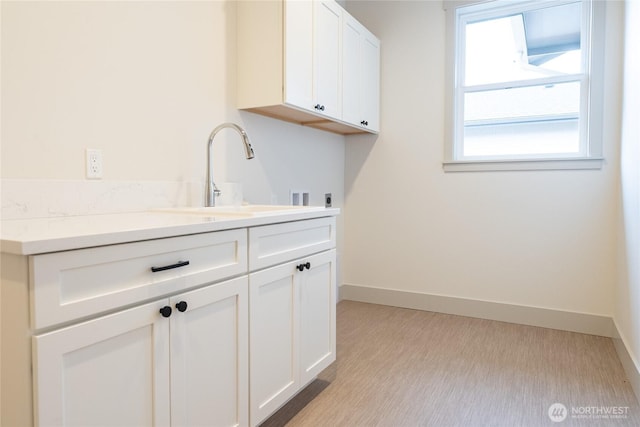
523	165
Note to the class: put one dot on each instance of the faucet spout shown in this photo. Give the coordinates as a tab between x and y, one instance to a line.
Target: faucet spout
212	191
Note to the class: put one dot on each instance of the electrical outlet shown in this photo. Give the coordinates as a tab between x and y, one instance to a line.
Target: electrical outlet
327	200
94	163
299	197
294	198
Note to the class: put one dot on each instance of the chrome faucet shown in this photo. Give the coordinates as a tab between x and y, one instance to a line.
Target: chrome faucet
212	191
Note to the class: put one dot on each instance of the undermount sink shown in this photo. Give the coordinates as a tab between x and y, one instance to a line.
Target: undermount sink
244	210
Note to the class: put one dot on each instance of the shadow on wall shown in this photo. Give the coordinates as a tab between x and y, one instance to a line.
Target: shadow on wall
288	156
356	156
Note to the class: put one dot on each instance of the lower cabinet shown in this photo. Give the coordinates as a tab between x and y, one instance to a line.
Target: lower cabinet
193	330
292	329
176	361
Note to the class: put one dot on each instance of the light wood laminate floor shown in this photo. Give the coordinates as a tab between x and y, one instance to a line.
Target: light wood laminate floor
399	367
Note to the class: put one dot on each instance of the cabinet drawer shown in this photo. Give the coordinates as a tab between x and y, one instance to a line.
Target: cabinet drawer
81	283
274	244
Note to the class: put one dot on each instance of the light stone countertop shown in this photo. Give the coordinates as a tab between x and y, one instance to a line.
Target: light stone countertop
43	235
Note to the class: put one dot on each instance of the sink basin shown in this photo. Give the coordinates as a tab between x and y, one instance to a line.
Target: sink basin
245	210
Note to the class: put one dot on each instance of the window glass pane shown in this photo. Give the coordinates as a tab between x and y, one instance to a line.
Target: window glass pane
540	102
533	44
534	139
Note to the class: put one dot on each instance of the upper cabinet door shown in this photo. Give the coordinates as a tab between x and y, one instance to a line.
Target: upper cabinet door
352	33
298	53
370	81
360	75
327	58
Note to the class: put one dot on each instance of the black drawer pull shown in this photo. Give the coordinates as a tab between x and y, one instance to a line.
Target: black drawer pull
169	267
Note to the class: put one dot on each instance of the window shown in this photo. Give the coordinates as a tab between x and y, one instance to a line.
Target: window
525	90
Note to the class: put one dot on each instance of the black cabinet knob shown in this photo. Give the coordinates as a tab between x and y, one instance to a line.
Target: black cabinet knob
364	123
165	311
322	108
302	266
182	306
317	106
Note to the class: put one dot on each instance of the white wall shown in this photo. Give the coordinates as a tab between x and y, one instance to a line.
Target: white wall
627	313
543	239
146	82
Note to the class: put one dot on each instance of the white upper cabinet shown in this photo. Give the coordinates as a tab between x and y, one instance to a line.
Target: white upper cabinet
290	65
360	75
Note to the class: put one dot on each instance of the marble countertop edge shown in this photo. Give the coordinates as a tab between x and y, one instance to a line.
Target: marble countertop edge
44	235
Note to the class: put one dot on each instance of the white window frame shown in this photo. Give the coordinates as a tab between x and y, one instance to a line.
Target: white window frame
592	93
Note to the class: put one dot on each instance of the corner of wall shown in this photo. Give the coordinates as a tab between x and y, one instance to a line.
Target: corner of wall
630	365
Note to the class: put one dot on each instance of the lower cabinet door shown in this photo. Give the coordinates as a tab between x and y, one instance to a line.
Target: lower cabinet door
209	356
113	370
292	329
317	315
273	359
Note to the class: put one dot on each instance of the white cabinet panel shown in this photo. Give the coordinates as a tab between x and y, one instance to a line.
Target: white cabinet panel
317	316
273	348
327	58
209	356
352	33
277	243
360	75
298	56
370	81
110	371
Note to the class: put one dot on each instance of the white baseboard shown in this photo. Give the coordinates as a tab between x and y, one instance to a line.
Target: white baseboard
631	368
591	324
